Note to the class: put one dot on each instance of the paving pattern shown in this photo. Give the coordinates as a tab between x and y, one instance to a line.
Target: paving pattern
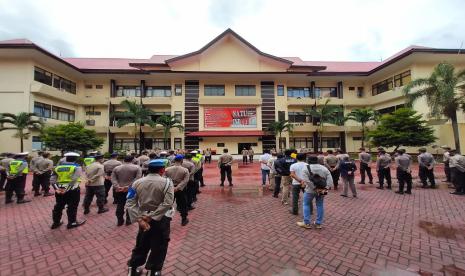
244	231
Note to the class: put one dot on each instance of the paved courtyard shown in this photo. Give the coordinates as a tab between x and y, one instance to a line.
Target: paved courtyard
244	231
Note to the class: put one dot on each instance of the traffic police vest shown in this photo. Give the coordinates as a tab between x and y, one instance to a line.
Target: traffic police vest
14	167
65	175
197	157
89	160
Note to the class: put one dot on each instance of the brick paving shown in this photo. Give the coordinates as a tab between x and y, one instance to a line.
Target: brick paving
243	231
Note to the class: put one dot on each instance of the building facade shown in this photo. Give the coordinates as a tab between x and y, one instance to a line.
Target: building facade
225	94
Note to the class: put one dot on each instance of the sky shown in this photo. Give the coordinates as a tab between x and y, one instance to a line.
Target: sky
350	30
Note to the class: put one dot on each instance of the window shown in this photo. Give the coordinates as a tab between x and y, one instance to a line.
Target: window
280	91
178	115
214	90
37	143
94	113
357	138
389	110
159	114
42	110
298	92
245	90
127	91
99	86
220	145
281	115
124	144
158	91
62	114
325	92
178	90
298	143
299	117
360	91
56	81
177	143
331	142
402	79
159	143
42	76
88	86
381	87
351	88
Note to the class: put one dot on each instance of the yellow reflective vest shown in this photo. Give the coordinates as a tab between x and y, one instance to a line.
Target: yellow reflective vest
15	165
65	174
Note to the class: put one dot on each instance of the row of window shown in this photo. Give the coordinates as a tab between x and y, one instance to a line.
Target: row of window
150	91
150	143
328	142
56	81
156	115
50	111
388	84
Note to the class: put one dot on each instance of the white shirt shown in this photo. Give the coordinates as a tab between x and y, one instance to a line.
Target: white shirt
299	169
264	161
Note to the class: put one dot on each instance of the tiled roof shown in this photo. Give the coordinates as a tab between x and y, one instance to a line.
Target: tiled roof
226	133
16	41
104	63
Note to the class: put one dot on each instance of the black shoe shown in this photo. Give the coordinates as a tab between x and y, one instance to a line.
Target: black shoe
199	192
230	184
47	194
56	225
344	195
191	208
23	201
361	182
184	222
381	188
103	210
293	213
153	273
456	193
408	192
424	187
432	187
399	192
86	211
128	222
134	271
275	196
8	201
389	188
371	182
221	185
202	185
75	224
120	222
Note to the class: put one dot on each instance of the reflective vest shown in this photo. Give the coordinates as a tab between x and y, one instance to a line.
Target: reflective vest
14	167
197	158
89	160
65	174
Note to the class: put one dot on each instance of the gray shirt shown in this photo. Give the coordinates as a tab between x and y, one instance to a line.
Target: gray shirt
364	157
34	162
319	170
125	175
404	162
425	159
383	161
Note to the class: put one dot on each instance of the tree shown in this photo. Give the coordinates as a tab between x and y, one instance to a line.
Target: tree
278	128
325	114
404	127
135	114
443	91
168	122
362	116
22	123
71	137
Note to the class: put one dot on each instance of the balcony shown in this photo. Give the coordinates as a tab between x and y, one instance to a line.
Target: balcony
94	100
306	101
222	100
98	129
390	95
51	92
157	101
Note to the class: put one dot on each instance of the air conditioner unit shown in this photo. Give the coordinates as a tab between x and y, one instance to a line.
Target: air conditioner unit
90	122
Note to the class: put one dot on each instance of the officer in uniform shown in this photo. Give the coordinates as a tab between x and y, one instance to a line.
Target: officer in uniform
90	159
180	177
332	163
65	180
383	167
143	158
145	166
17	172
282	167
200	171
365	160
35	173
190	166
108	167
426	168
95	185
44	168
150	201
403	171
122	178
4	163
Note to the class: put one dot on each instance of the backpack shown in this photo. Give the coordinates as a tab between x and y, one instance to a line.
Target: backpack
318	181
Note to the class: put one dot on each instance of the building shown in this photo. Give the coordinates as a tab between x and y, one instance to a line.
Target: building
225	93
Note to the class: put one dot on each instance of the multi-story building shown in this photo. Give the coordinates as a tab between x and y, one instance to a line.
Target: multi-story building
225	94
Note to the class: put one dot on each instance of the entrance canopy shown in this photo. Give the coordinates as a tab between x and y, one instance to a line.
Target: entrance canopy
227	133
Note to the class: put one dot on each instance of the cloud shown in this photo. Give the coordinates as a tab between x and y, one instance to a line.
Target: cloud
224	13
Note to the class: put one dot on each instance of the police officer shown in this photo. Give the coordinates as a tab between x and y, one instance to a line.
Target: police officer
45	168
122	178
383	167
65	180
365	160
150	201
190	188
224	164
35	173
200	171
403	171
332	163
282	167
95	185
4	163
180	177
108	167
426	168
90	159
17	172
143	158
145	166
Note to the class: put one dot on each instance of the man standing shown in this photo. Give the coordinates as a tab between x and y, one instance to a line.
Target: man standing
277	177
383	167
224	164
365	161
4	163
445	159
297	174
65	180
95	185
426	168
17	171
190	188
283	168
332	163
145	166
90	159
122	177
347	168
180	177
251	153
457	166
245	156
108	167
45	168
270	165
208	155
35	173
322	176
403	171
321	158
143	158
264	166
150	201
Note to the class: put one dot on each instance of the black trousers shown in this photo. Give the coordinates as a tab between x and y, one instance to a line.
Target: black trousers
277	185
36	183
44	181
459	179
16	185
120	198
181	202
245	159
384	173
190	192
251	158
447	171
424	174
226	171
365	168
404	177
199	175
2	179
155	241
99	192
335	175
296	189
107	183
208	159
69	199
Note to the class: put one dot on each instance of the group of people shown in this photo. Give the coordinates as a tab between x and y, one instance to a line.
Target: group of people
247	156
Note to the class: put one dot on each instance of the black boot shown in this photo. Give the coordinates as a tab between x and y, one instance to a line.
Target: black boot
75	224
103	210
134	271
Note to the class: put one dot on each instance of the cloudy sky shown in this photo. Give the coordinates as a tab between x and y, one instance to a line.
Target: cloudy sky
313	30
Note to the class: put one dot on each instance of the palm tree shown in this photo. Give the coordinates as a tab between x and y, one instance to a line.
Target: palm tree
135	114
22	123
443	91
279	127
362	116
325	113
168	122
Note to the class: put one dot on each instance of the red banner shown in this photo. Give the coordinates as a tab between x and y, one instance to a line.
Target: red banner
230	117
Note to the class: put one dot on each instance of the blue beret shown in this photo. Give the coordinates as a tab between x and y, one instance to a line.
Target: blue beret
157	163
179	157
114	154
